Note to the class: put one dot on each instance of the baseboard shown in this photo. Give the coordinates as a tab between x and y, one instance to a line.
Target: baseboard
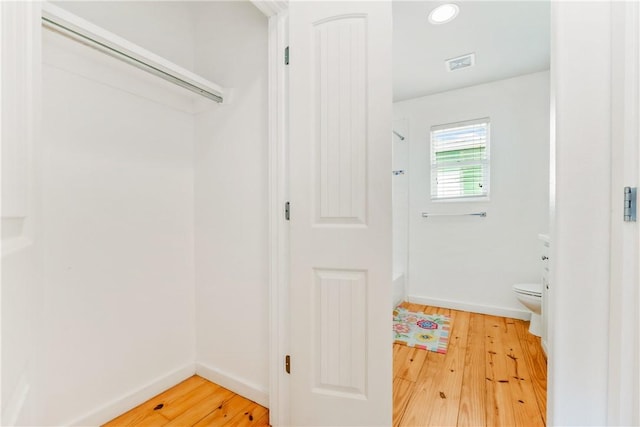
237	385
473	308
133	399
398	290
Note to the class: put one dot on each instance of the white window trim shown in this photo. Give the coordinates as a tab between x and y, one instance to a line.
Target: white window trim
461	199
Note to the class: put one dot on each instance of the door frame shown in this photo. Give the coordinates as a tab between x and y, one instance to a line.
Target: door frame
278	39
624	293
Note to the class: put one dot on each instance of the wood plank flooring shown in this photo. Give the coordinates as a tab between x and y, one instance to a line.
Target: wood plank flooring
494	374
195	402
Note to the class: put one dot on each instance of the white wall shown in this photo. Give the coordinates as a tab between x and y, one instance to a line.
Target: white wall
400	210
470	262
231	219
400	186
22	262
119	309
580	247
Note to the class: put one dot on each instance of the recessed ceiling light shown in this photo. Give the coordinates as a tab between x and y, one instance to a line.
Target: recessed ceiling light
444	13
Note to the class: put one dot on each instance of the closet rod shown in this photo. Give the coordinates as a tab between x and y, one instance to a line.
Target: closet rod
59	20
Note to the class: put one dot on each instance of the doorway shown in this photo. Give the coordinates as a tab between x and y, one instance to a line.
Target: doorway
473	96
581	35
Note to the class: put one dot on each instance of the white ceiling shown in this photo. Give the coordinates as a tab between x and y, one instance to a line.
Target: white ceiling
509	38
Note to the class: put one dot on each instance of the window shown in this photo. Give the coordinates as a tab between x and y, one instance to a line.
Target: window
460	160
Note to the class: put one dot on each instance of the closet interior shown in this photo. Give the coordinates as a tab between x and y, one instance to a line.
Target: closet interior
140	257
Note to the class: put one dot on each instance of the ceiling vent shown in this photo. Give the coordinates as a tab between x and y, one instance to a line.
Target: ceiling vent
464	61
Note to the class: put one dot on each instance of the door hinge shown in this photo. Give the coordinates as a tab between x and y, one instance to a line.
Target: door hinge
287	211
630	204
286	55
287	364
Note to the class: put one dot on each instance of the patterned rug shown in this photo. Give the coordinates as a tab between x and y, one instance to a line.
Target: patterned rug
419	330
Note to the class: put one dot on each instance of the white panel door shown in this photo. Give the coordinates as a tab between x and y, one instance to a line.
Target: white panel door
340	165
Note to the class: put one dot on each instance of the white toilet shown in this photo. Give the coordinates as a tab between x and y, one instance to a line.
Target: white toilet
530	295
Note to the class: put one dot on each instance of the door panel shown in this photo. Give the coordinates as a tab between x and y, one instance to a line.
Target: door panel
340	164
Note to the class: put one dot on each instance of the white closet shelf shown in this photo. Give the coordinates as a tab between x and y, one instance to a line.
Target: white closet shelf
58	19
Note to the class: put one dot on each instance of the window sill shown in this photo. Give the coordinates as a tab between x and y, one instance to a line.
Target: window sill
462	200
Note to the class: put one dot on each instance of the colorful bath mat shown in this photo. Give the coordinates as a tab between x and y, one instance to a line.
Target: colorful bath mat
419	330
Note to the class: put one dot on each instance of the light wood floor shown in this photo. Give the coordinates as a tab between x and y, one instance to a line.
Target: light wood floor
195	402
494	374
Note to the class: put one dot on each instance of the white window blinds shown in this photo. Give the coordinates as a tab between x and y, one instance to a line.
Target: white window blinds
460	160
